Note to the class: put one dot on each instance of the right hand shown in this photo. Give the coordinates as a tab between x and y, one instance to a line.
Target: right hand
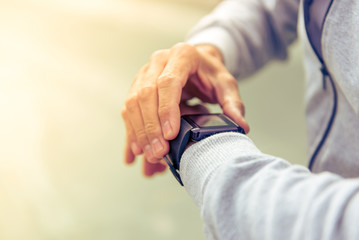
151	112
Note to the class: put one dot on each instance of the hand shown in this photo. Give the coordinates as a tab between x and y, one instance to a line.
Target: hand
152	113
149	168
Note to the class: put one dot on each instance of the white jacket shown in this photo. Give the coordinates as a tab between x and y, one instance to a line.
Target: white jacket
245	194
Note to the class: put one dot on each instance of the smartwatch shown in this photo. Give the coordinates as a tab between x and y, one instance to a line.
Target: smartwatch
195	128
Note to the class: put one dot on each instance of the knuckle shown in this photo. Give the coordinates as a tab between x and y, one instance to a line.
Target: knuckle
186	50
229	79
130	104
238	104
146	92
152	128
164	110
158	55
166	79
230	101
141	136
185	47
124	112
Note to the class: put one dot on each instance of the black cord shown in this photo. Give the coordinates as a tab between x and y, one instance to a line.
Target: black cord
326	75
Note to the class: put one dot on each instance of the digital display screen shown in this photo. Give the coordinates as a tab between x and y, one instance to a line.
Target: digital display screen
208	121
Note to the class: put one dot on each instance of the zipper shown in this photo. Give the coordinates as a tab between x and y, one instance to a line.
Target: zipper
316	46
326	76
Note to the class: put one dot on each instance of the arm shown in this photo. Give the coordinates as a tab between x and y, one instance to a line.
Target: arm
253	30
249	32
245	194
151	112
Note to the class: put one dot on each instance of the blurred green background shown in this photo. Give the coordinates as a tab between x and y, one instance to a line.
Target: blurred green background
65	70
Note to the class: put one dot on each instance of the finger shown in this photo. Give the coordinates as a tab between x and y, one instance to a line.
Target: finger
131	148
193	109
228	97
149	169
129	156
136	123
148	101
182	62
200	86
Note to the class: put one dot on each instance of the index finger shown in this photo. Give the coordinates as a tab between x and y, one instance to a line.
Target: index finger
183	62
229	99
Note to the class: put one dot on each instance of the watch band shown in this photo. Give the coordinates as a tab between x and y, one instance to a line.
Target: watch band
196	127
177	147
180	142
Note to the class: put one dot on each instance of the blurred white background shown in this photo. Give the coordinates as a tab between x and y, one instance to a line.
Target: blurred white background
65	69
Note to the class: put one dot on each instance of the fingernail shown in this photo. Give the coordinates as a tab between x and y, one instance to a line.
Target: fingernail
167	129
136	149
157	145
148	152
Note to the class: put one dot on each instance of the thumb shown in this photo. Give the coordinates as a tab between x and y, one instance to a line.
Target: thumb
230	101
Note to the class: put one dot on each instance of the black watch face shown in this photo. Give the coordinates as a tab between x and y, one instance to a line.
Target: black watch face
208	120
205	125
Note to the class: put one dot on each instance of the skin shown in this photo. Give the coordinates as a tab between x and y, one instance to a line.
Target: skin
158	94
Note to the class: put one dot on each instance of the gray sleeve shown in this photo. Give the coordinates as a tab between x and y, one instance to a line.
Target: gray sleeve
248	32
245	194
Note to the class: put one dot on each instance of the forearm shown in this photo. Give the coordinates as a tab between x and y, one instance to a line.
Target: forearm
248	33
245	194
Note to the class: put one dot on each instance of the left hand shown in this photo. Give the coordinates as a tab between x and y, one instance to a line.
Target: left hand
149	169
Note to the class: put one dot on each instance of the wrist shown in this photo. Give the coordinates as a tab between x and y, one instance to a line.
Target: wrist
200	161
195	128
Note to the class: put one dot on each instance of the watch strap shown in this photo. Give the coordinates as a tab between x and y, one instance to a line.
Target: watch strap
177	147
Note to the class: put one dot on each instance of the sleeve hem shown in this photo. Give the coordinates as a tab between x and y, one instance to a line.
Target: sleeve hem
201	159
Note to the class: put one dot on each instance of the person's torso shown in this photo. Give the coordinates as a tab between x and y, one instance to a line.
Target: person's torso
333	102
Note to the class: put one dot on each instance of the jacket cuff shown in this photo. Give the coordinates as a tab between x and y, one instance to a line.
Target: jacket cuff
200	160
